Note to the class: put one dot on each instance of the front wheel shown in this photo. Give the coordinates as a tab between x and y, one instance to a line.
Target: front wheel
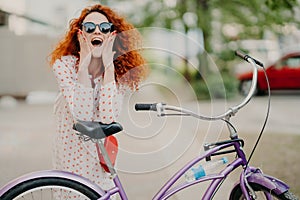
50	188
262	193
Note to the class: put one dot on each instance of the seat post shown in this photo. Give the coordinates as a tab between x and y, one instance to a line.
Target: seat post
100	146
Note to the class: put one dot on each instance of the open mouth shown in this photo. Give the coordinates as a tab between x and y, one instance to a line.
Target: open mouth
97	42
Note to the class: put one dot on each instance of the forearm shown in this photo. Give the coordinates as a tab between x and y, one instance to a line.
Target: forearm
83	76
109	75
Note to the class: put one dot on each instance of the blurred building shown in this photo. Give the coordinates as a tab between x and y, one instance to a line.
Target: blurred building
3	18
29	29
23	63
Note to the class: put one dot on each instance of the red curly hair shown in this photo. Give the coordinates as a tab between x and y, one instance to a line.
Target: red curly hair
130	66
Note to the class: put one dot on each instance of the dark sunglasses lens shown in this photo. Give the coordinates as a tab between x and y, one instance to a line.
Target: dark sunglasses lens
105	27
89	27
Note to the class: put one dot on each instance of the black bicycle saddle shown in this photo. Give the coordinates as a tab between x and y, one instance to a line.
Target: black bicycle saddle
97	130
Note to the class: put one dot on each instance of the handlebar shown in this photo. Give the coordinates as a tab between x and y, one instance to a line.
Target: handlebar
246	57
161	107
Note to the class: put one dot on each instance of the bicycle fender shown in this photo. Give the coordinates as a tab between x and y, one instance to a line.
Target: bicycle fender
269	182
51	173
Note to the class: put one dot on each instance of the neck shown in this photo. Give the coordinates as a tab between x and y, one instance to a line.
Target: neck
96	67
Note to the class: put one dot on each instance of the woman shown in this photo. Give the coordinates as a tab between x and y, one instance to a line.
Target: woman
94	64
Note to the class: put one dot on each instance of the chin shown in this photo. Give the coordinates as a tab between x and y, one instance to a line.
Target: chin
96	55
96	52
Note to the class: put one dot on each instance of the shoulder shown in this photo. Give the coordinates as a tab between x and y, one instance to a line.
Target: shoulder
68	61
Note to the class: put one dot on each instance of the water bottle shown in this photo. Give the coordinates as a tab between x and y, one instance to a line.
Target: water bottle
209	167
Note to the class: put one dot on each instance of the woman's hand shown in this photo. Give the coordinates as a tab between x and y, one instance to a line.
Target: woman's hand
108	58
106	50
85	51
108	53
84	60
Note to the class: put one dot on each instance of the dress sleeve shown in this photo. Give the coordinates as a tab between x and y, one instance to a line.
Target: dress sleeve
78	97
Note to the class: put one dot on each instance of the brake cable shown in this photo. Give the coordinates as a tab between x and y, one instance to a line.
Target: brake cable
266	118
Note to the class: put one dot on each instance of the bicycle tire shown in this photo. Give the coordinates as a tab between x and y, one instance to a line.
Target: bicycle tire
55	186
237	194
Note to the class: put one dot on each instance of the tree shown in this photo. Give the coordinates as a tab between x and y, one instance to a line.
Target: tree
254	16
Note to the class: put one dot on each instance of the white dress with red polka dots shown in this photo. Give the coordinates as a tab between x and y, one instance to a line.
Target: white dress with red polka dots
75	101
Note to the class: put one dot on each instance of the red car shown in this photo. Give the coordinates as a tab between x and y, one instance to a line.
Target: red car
283	75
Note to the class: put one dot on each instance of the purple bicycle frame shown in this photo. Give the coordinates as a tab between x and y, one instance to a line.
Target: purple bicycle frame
250	175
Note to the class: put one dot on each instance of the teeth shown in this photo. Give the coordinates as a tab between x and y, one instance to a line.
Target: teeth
96	39
96	42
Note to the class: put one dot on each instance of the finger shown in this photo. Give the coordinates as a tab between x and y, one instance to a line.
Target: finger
105	42
81	37
113	35
113	38
110	40
89	45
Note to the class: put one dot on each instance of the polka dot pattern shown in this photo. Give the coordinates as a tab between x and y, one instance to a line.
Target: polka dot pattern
75	101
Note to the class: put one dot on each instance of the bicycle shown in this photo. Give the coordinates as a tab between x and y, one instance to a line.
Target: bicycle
252	181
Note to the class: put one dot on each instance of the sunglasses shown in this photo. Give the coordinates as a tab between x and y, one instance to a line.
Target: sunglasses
104	27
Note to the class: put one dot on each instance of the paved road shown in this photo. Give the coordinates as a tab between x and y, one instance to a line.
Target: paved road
26	139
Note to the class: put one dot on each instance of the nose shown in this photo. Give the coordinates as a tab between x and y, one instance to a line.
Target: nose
97	30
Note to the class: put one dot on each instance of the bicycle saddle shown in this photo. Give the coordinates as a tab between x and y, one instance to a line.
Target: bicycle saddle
97	130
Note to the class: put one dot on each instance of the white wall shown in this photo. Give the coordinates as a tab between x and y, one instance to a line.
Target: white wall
23	63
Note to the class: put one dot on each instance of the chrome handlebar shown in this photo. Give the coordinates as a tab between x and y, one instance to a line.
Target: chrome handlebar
160	108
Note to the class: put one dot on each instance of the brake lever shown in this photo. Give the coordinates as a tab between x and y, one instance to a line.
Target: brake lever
160	109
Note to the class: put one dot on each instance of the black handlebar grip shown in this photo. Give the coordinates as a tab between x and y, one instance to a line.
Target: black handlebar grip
245	57
145	106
